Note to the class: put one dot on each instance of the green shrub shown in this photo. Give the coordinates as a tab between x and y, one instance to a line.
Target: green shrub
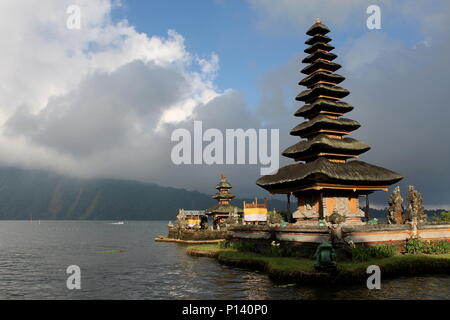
276	250
360	253
383	251
274	217
284	215
415	246
224	244
245	246
440	247
443	217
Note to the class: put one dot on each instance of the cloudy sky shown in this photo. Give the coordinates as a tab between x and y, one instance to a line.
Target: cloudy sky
102	101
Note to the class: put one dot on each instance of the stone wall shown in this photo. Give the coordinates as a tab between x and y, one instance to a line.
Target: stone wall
367	235
188	234
301	240
388	233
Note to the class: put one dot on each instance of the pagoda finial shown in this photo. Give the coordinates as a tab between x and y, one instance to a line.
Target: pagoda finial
318	20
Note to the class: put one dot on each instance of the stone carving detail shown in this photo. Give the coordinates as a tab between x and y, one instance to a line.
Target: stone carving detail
336	218
336	234
307	212
181	219
396	207
415	212
342	205
233	218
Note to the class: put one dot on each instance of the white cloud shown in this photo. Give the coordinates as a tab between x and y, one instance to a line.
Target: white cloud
302	13
360	54
72	100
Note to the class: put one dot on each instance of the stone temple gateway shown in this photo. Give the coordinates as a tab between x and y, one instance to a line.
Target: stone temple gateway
326	180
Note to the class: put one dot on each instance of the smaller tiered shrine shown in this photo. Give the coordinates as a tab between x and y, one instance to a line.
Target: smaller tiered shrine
224	208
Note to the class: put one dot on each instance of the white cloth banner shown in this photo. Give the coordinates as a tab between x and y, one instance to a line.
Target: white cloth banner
255	217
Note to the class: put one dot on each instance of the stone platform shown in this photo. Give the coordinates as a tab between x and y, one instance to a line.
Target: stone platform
366	235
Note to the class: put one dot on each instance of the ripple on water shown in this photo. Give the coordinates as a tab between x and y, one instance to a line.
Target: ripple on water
34	258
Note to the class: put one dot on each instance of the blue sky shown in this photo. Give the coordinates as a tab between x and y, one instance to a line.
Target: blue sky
247	49
227	28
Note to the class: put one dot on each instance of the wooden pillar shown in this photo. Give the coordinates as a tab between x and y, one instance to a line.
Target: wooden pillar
321	206
288	215
367	208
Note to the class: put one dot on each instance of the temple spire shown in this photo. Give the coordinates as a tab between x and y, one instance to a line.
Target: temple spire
323	179
223	195
324	128
222	210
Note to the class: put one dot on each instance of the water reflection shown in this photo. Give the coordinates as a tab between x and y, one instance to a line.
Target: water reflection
34	257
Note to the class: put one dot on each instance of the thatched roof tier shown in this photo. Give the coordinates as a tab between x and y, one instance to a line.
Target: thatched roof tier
321	65
222	209
319	46
322	90
346	147
319	54
323	124
223	184
323	106
317	38
317	28
224	195
321	171
315	77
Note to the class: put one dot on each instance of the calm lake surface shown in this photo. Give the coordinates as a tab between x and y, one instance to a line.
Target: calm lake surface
34	258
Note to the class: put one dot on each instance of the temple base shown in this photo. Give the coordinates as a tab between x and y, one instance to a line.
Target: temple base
347	221
336	207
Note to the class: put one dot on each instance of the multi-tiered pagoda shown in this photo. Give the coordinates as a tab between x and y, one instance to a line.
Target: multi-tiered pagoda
324	181
224	208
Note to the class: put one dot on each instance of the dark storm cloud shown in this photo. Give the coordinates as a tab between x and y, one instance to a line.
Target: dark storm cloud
101	113
401	98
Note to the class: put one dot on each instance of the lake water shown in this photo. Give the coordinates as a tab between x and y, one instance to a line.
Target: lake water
34	258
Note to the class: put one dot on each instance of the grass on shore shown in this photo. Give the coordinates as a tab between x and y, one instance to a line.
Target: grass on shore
396	265
275	263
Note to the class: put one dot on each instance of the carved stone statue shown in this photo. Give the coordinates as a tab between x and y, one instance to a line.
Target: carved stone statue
415	212
396	207
233	218
274	218
336	218
325	258
181	219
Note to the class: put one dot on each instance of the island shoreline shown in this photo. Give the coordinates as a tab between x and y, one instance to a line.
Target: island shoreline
348	273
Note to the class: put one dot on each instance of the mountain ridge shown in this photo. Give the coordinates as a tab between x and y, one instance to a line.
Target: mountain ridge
38	194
